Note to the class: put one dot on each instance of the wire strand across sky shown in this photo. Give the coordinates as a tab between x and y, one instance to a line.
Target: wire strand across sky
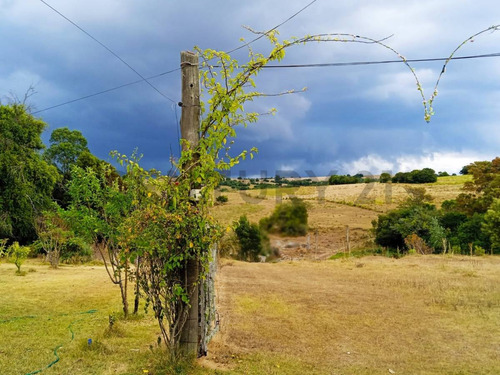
110	51
286	66
147	79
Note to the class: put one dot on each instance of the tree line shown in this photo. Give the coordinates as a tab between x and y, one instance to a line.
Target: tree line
469	224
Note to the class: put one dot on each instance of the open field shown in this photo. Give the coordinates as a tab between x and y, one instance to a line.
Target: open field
374	196
416	315
42	310
331	209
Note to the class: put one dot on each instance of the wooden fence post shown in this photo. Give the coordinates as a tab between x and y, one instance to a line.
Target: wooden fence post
190	131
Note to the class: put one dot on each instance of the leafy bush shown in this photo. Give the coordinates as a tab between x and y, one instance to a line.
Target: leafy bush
229	246
76	250
253	242
18	254
385	177
222	199
342	180
3	244
414	242
417	176
479	251
288	218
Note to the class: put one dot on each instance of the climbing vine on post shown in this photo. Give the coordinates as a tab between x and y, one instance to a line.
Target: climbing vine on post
165	229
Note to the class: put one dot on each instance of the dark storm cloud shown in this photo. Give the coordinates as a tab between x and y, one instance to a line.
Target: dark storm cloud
350	117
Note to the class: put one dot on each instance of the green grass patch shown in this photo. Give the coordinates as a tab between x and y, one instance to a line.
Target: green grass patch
453	180
47	318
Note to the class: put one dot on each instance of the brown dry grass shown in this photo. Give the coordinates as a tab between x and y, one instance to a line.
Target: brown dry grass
374	196
331	209
417	315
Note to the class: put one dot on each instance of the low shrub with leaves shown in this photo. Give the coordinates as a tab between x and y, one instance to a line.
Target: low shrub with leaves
414	242
229	245
3	244
222	199
252	241
76	250
18	254
288	219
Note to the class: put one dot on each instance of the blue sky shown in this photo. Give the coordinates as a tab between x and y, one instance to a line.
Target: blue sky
351	119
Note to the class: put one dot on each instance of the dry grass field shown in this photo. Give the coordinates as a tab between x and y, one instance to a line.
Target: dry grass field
372	315
373	196
331	209
415	315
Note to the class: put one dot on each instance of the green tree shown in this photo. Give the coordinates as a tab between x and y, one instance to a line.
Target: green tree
251	240
479	193
491	225
464	170
415	217
65	148
98	208
471	231
385	177
26	180
18	254
53	235
287	218
385	230
3	245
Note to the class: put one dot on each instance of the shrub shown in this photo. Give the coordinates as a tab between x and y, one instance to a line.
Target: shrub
18	254
253	242
347	179
417	176
288	218
385	177
479	251
229	245
3	244
221	199
416	243
76	250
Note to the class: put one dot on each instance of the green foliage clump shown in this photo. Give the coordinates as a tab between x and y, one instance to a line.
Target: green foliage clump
412	222
288	219
417	176
385	177
252	241
222	199
461	225
491	224
235	184
66	146
343	180
3	245
18	254
26	180
76	250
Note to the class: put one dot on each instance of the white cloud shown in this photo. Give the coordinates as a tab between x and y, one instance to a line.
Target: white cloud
373	164
279	127
449	161
402	85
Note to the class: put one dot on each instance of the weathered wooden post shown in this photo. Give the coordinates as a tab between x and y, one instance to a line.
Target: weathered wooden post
347	240
190	131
